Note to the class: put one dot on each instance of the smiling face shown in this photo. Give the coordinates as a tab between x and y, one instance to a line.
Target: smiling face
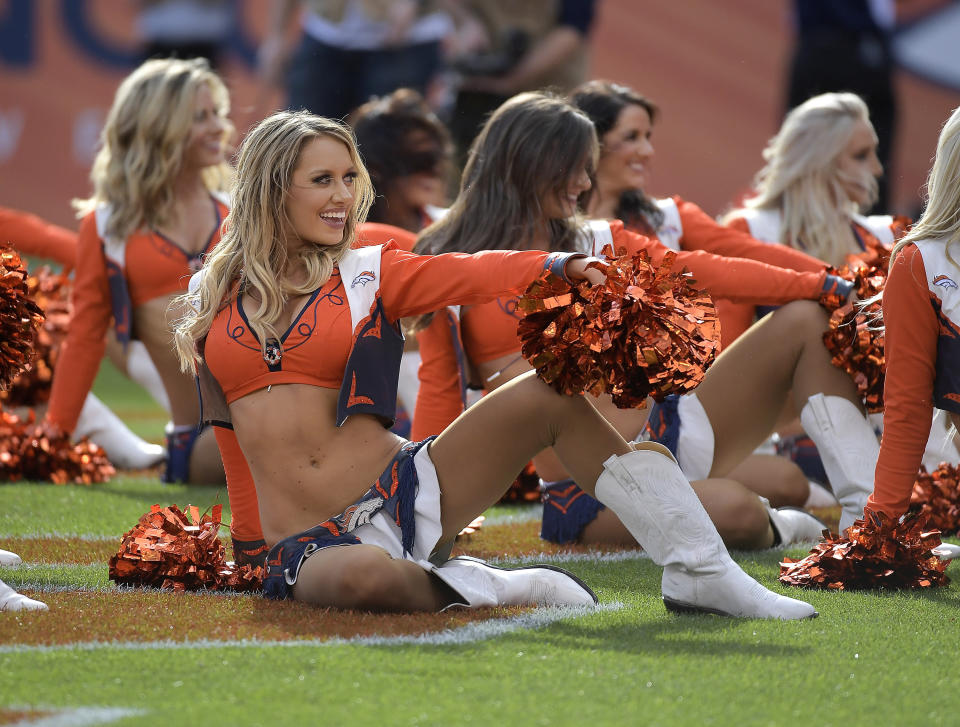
562	203
322	192
205	143
626	153
857	164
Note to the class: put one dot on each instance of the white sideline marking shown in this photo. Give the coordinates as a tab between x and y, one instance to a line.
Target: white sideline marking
616	556
78	716
116	588
468	633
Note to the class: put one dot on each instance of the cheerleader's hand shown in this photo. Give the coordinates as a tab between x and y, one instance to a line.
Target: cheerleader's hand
837	291
577	269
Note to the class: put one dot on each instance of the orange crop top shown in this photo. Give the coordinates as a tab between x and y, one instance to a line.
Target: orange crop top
340	340
313	350
106	284
155	265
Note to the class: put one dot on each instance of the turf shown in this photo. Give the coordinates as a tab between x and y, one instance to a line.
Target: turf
131	656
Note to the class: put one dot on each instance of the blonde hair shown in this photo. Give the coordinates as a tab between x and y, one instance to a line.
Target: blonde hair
253	248
143	140
941	216
801	178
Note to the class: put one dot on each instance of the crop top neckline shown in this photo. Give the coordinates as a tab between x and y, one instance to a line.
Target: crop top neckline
296	319
206	246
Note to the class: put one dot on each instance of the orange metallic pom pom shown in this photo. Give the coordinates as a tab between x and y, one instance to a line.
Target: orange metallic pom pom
855	336
169	549
51	292
877	552
937	496
30	452
645	331
19	318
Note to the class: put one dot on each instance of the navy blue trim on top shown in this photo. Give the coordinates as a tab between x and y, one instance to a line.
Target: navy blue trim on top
206	248
243	315
858	237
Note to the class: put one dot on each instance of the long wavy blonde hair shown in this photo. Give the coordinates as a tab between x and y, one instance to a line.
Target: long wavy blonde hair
941	215
802	180
253	249
143	140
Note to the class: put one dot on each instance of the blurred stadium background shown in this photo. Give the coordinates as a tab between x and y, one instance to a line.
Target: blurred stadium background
716	69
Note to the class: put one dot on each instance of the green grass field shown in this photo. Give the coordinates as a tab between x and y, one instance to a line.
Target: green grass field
104	655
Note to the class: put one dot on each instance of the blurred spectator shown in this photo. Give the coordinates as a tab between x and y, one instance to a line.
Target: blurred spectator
185	28
506	47
845	45
407	151
351	50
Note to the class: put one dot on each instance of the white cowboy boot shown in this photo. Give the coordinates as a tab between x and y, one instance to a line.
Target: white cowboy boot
819	496
482	584
793	525
652	497
848	447
124	449
10	600
8	558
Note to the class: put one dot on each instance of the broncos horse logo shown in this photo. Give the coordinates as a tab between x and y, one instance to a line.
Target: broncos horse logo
363	278
944	281
360	514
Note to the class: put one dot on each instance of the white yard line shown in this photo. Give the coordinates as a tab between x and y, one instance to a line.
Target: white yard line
468	633
613	557
76	717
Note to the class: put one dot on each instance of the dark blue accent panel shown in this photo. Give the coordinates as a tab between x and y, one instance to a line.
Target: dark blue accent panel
567	510
402	425
664	423
370	380
801	450
459	353
946	385
179	448
836	284
120	302
18	33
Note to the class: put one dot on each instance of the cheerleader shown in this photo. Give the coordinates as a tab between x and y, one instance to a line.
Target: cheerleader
38	238
156	209
745	391
921	318
294	336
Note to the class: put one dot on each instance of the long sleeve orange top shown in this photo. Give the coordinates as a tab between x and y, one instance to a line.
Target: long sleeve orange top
489	330
921	304
702	232
36	237
155	266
